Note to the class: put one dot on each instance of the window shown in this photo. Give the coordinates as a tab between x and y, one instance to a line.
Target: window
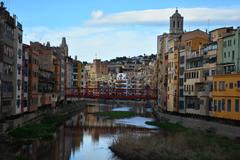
233	55
19	53
219	105
181	81
181	104
221	85
19	69
225	44
210	104
18	103
215	105
228	54
223	104
19	84
229	105
237	105
173	24
182	59
238	84
181	92
224	54
213	72
231	85
215	86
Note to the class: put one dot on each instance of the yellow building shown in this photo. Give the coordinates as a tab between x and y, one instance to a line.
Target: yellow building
226	96
172	88
79	75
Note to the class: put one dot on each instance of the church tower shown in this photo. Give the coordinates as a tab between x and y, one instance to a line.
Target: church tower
176	23
64	46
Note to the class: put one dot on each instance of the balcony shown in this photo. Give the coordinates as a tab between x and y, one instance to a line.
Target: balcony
190	93
194	54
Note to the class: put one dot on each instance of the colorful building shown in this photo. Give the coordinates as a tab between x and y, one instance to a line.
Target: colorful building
173	75
17	107
46	83
25	75
231	53
226	96
7	26
162	70
33	78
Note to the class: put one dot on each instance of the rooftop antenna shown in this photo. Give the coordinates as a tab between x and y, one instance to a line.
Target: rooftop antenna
95	55
208	24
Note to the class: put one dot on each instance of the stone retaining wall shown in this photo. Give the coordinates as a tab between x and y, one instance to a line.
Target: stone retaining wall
204	125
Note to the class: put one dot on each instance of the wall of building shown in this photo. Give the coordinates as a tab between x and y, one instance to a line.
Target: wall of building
226	93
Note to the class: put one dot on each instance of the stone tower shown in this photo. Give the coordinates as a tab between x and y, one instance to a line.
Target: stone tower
64	46
176	23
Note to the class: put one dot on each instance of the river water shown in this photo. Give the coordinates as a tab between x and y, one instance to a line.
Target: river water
87	137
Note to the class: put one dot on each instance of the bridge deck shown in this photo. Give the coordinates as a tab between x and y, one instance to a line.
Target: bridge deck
95	93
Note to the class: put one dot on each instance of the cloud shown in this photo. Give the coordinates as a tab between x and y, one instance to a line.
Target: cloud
106	42
97	14
161	16
126	33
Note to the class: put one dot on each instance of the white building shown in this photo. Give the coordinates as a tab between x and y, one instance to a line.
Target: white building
18	49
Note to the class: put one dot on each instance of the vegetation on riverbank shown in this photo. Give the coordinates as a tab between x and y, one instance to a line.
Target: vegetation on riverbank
175	142
52	118
43	129
171	127
115	114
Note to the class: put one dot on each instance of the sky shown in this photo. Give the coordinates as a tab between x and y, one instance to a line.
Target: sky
107	29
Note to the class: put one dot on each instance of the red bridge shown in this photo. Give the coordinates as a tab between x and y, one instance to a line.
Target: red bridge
100	93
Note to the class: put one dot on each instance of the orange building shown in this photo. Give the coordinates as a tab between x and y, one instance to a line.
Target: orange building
226	96
33	78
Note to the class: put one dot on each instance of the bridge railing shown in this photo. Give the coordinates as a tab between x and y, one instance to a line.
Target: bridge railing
110	93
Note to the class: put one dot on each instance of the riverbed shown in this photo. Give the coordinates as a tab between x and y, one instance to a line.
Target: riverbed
86	136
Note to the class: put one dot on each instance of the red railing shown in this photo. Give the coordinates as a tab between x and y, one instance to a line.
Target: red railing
109	93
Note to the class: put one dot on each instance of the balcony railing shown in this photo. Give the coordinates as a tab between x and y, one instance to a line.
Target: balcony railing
194	54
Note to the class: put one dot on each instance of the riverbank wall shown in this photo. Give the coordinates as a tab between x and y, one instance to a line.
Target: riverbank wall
225	130
21	120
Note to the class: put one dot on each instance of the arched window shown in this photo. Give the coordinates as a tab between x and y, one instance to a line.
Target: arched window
173	24
178	24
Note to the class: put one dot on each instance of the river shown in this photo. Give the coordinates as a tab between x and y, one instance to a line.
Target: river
87	137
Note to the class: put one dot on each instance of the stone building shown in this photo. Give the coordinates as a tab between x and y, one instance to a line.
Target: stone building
17	107
7	26
33	78
167	94
25	75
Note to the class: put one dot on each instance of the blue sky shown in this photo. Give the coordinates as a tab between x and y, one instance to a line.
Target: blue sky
111	28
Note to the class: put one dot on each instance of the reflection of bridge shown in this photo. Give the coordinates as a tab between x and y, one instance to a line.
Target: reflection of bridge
99	93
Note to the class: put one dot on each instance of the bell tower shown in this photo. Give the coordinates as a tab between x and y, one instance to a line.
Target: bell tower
176	23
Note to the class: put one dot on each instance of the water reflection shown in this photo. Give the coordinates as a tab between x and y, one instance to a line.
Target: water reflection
84	136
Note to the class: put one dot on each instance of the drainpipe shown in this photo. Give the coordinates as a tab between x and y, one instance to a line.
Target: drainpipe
238	48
